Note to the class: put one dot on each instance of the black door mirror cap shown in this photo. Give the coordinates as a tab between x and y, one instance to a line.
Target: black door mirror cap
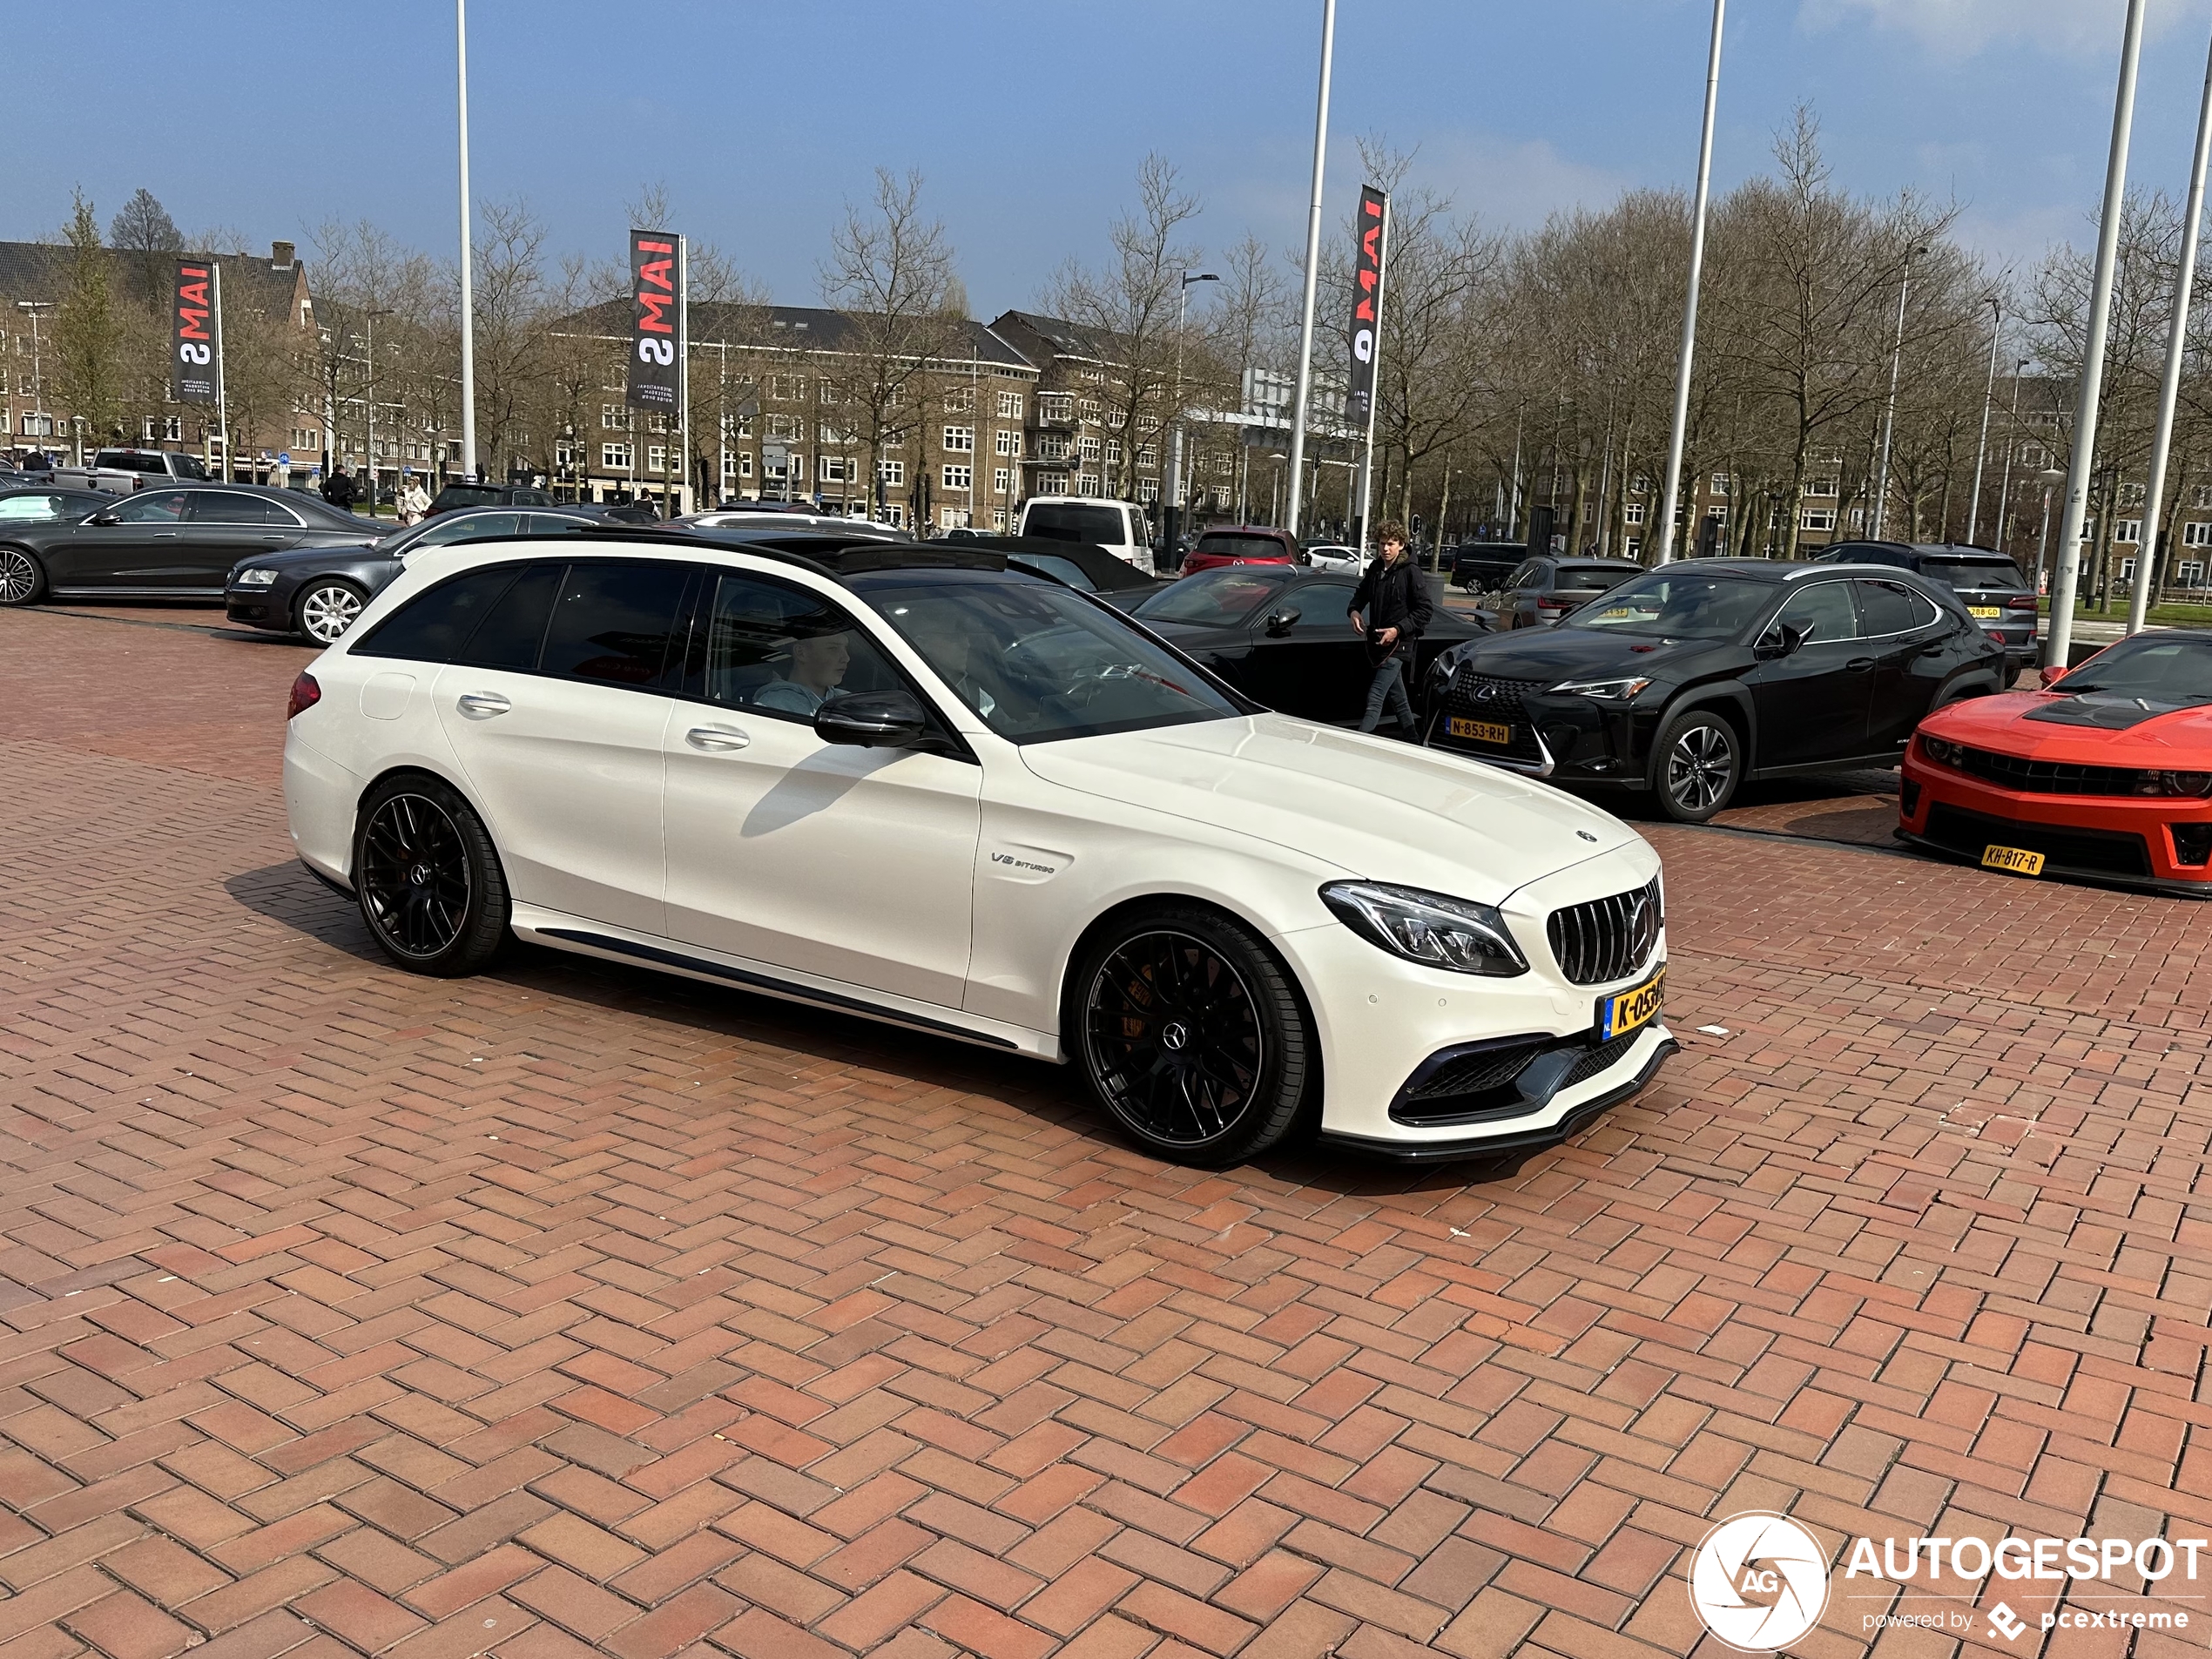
1781	640
873	721
104	517
1283	621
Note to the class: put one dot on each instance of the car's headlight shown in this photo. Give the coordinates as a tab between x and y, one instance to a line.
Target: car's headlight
1618	690
1430	928
2186	783
256	578
1944	753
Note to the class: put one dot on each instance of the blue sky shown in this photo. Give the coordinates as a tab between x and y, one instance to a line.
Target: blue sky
1027	117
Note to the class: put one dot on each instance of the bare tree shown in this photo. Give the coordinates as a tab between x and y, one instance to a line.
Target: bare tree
143	230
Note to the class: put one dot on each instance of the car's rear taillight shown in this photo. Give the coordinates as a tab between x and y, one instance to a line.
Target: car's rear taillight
305	695
2020	602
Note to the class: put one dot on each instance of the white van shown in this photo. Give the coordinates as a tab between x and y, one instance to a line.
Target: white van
1117	526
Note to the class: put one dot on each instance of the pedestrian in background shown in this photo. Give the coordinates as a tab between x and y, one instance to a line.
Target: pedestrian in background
415	500
1391	608
339	491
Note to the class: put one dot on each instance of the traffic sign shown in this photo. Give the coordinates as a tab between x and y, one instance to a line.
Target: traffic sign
284	458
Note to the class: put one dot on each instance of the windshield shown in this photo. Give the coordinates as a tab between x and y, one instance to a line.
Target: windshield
1057	523
1037	663
2159	668
1678	606
1977	576
1048	564
1211	599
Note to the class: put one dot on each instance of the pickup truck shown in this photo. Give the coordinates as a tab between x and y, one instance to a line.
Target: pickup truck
120	471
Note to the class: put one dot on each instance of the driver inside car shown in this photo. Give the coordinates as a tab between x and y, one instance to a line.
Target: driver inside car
815	667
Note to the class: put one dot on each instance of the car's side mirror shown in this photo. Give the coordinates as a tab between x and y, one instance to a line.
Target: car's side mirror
2051	674
873	721
105	517
1781	640
1283	621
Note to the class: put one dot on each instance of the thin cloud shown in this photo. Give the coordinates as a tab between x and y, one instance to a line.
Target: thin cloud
1961	29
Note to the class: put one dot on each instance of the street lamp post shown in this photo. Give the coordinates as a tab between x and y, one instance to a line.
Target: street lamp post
1175	459
2048	477
369	456
467	303
1680	431
2005	477
1312	271
1988	396
1889	414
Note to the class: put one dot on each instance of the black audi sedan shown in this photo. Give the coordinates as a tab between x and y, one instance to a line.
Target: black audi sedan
319	591
1279	633
175	543
1692	678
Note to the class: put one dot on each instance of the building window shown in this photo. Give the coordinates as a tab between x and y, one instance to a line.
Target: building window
657	457
614	418
306	437
2128	530
2190	573
952	518
1720	483
1052	448
2131	496
1087	483
891	474
161	427
999	516
1820	519
1632	513
957	477
2200	496
960	440
960	400
1010	405
1148	454
1631	547
1007	442
745	464
785	427
1114	452
2034	457
1002	480
828	391
2127	569
1052	483
786	388
1088	447
830	469
1056	406
1092	409
615	457
1820	486
1147	490
893	514
2197	533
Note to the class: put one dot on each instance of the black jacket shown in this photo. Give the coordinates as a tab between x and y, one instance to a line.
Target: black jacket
1393	596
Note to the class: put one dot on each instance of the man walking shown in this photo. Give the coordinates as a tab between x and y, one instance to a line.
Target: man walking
1391	607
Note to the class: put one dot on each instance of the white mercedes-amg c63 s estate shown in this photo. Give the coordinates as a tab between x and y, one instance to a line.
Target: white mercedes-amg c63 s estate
906	781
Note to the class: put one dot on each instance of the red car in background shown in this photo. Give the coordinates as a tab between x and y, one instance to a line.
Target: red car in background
2105	775
1241	544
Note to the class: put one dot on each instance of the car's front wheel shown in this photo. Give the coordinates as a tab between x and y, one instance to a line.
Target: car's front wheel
327	607
1190	1036
23	581
428	878
1700	763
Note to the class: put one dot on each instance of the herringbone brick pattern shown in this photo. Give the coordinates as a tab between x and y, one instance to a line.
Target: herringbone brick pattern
573	1311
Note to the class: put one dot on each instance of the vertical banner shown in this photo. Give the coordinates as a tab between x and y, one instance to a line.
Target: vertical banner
1367	274
658	322
196	323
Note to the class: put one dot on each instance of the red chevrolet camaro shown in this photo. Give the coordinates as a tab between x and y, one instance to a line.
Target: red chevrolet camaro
2105	775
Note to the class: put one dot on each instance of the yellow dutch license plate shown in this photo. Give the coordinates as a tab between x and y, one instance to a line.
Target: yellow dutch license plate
1624	1011
1479	730
2018	860
1984	613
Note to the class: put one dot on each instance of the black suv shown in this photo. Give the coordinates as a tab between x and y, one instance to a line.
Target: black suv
1688	679
1479	567
1991	586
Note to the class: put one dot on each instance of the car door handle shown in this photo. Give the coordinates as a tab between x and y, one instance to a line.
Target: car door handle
482	705
716	739
1860	665
164	535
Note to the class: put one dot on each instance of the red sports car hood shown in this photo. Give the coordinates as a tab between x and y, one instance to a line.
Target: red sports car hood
2022	723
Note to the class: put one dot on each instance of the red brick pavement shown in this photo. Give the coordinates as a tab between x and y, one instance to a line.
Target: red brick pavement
572	1309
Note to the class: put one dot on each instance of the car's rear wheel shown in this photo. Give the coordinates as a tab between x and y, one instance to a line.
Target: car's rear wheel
428	878
22	580
1190	1036
1700	764
327	608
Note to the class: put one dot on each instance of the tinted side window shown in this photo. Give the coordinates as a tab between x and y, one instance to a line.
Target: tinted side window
1892	608
430	628
1530	575
161	507
226	507
510	634
476	524
613	623
1826	607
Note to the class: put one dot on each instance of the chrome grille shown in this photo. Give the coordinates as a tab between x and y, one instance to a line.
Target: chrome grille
1606	939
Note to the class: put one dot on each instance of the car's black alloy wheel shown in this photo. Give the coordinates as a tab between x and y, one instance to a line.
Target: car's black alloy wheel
327	609
1700	763
21	580
429	879
1190	1036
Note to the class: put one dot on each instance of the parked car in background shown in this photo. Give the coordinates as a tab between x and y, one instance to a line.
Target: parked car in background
916	784
1542	589
2105	775
1120	527
1482	567
1079	564
1241	544
319	591
1994	590
1334	556
46	504
174	544
122	472
1688	679
455	496
1280	634
781	523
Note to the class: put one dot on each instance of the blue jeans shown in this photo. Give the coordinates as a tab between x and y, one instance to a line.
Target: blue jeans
1389	684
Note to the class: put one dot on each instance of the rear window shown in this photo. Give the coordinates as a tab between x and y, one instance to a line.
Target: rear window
431	627
1239	547
1588	580
454	495
1058	522
1976	575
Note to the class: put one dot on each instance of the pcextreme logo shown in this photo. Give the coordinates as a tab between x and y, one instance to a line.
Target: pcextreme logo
1759	1581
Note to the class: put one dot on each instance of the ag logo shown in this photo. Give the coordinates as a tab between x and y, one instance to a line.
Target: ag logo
1759	1581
